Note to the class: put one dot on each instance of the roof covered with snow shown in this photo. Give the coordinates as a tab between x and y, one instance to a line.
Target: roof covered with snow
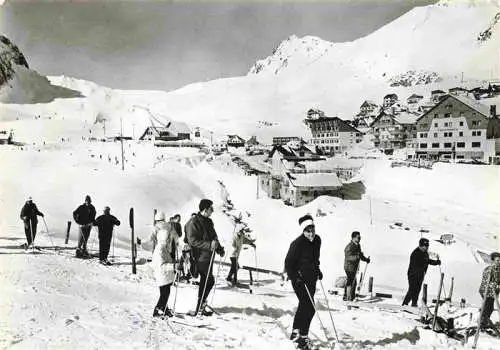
315	180
406	118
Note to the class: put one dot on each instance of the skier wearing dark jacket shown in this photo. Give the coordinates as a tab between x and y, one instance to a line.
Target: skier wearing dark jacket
352	256
29	214
204	242
105	224
84	216
419	261
302	268
489	289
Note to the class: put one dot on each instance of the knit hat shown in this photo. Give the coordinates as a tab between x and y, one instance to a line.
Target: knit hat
494	255
305	221
87	199
30	198
205	204
423	242
160	216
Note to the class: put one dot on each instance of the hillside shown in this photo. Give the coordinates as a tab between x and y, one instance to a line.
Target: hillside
427	48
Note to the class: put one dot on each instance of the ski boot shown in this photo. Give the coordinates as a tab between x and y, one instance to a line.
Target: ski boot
294	337
304	343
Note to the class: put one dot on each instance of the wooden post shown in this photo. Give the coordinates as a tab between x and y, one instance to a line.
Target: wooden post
437	301
121	141
370	286
451	289
132	245
424	294
251	277
67	232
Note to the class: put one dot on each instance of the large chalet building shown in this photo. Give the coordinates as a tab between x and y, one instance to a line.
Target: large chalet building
393	131
459	128
332	134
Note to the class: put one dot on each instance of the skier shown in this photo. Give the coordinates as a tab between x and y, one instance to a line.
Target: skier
204	244
239	239
29	213
353	255
84	216
105	224
302	268
176	221
490	290
419	261
188	264
164	258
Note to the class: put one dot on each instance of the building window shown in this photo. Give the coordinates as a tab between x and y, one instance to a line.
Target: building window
435	145
475	123
476	144
461	114
447	145
478	133
423	145
461	123
435	134
436	115
435	125
449	106
460	133
460	144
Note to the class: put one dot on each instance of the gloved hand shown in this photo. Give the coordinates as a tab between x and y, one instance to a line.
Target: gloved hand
252	245
438	261
41	214
223	252
138	241
368	260
320	275
214	245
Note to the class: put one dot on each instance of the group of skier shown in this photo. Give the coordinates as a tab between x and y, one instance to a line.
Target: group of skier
302	262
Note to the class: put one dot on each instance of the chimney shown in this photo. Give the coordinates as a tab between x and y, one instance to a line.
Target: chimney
493	111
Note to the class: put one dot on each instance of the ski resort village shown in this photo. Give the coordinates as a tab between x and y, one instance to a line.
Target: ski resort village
341	193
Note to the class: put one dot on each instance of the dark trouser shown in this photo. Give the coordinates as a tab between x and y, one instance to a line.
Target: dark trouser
84	237
206	279
305	310
233	273
351	282
163	300
414	286
30	230
104	244
488	310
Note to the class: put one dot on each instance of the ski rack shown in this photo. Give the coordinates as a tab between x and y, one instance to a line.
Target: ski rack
255	269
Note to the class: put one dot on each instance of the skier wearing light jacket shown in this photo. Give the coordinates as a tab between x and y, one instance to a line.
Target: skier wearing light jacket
165	240
239	240
353	255
302	267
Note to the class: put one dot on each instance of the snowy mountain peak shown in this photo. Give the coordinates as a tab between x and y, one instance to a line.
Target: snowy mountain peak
293	52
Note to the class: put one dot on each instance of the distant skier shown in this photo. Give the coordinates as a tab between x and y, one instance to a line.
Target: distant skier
239	239
105	224
352	256
302	268
204	244
176	221
490	290
84	216
164	258
29	215
419	261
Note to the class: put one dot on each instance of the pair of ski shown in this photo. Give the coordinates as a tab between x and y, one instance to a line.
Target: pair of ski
192	320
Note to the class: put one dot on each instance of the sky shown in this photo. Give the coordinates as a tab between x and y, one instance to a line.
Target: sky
164	45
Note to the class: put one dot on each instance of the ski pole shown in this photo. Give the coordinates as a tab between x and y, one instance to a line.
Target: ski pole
315	310
476	337
47	232
329	311
176	280
363	277
205	284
